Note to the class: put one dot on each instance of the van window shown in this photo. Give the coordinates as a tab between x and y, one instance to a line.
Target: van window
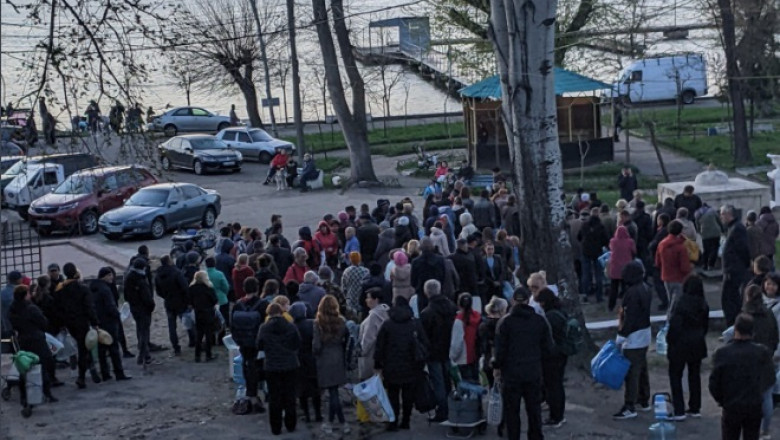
636	76
50	177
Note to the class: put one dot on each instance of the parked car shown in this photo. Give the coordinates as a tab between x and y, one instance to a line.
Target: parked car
253	143
189	119
30	180
7	162
9	148
78	202
159	208
201	153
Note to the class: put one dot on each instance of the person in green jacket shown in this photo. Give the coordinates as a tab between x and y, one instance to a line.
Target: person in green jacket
221	287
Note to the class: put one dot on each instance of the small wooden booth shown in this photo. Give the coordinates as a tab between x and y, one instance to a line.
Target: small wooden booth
579	122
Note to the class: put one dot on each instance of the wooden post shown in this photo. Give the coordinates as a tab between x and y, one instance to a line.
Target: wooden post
651	128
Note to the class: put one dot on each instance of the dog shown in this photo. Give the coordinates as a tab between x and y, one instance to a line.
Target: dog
281	179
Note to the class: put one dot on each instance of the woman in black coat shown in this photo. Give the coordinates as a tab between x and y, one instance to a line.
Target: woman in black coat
203	299
307	386
30	325
686	345
280	341
554	361
394	357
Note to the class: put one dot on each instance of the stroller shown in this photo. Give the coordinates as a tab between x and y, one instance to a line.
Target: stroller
203	239
29	384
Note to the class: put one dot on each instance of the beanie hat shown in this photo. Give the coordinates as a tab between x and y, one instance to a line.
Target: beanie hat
70	271
354	258
192	257
139	264
343	216
104	271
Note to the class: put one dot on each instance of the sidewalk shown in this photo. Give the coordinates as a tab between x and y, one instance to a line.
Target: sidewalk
643	156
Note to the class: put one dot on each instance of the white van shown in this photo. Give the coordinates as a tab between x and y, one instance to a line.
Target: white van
657	78
39	179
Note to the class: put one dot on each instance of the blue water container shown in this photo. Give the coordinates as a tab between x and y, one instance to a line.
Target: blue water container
662	429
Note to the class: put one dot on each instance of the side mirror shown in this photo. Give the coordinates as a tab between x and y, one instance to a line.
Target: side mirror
173	203
188	149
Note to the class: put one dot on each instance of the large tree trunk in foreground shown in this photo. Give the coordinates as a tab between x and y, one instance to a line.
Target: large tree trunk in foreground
296	81
353	123
523	35
742	154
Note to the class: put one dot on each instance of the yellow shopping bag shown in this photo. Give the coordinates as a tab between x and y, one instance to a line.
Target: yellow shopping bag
362	414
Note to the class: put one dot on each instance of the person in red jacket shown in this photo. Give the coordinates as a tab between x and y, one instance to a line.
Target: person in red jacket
241	272
464	351
672	259
296	271
329	242
278	163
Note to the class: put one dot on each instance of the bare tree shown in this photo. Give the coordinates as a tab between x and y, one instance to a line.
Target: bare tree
296	80
523	34
352	121
178	69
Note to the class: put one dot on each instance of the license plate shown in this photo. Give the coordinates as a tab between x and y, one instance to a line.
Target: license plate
228	164
44	222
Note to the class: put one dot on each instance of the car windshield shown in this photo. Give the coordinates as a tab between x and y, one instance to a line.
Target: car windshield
148	197
76	184
207	144
260	136
17	168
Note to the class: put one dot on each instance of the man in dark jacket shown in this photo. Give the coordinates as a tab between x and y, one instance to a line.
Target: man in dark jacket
74	302
138	294
375	279
368	237
466	266
627	183
594	239
741	371
437	321
688	200
171	286
522	338
634	336
484	212
109	320
225	264
307	375
428	266
735	261
249	305
282	256
644	231
143	254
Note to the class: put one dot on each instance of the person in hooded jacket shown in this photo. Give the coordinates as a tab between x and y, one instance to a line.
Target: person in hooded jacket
329	242
464	346
467	225
634	337
439	239
280	341
437	319
306	380
138	293
74	302
369	330
429	265
30	326
247	332
203	299
402	232
172	288
312	247
394	357
662	224
623	249
109	320
686	341
401	276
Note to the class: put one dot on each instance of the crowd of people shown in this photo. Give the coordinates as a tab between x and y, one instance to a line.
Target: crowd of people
379	290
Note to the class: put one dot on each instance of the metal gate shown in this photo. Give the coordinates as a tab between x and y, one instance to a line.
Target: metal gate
20	249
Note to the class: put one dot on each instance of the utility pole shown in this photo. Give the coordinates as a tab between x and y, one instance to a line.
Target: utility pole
265	67
628	133
296	81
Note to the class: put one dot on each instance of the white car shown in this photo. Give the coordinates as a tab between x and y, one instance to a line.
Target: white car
253	143
182	119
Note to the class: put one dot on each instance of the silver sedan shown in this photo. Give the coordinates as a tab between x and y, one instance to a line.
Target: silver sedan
181	119
253	143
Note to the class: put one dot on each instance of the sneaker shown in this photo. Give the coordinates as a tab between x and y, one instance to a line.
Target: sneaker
693	414
678	418
625	413
765	435
553	423
644	408
327	428
346	429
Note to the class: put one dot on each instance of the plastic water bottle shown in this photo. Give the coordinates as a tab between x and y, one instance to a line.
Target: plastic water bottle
662	429
240	392
660	340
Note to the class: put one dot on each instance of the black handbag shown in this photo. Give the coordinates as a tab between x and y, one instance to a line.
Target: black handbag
425	398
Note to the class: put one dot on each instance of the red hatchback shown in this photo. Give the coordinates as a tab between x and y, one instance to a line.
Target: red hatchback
78	202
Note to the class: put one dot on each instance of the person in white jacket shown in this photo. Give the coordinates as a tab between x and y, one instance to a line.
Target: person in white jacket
440	239
369	329
467	224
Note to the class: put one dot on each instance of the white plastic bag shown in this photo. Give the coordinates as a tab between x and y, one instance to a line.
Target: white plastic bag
68	346
495	405
55	345
188	320
374	397
124	312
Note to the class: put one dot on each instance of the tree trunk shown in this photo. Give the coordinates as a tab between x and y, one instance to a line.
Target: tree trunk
252	109
296	81
742	154
266	70
523	36
353	123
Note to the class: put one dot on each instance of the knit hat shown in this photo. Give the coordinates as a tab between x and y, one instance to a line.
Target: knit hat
104	271
343	216
400	258
139	264
192	257
14	276
354	258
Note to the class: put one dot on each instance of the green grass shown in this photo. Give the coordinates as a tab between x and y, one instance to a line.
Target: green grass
400	149
328	141
332	163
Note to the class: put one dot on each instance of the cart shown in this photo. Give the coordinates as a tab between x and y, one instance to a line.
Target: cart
466	414
10	377
465	430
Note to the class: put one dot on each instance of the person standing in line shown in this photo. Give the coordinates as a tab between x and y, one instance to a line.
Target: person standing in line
770	229
689	201
522	338
172	288
307	386
248	315
203	299
708	225
741	371
626	181
138	293
369	329
623	249
110	321
687	346
634	337
280	341
554	362
328	346
437	319
672	259
735	262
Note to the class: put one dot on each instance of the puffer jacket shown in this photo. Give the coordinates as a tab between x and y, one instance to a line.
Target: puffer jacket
172	288
437	321
636	300
395	347
688	325
440	241
280	341
623	251
770	229
74	302
672	258
105	304
522	339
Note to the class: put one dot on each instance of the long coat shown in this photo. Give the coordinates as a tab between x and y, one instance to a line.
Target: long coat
331	365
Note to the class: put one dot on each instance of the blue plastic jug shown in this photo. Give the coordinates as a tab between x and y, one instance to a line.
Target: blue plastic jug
662	429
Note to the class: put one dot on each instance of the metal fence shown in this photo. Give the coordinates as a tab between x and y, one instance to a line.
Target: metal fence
20	249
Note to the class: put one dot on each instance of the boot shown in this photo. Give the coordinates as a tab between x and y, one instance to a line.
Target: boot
120	375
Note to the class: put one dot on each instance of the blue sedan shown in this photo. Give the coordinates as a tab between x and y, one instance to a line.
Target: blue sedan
156	209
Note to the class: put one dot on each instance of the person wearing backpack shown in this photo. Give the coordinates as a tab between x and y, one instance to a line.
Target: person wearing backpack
554	361
248	315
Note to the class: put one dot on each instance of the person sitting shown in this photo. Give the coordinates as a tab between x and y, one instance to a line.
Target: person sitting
309	171
279	162
441	171
466	172
292	171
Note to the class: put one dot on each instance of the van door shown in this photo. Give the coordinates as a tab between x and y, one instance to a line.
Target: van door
636	86
109	196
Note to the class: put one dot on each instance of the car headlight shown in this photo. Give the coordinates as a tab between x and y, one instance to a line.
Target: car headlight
67	207
239	156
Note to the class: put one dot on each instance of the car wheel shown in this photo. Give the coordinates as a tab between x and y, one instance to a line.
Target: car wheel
265	157
197	167
158	228
170	130
166	163
688	97
209	218
89	223
222	126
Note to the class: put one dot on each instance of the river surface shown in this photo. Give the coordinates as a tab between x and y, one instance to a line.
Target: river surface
411	94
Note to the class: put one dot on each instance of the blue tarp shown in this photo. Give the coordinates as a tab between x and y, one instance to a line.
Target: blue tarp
565	82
